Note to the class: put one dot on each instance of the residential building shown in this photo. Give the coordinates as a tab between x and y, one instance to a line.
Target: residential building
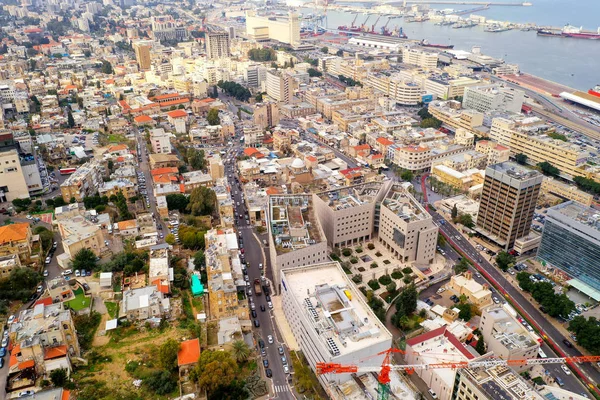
424	59
347	215
493	98
406	228
8	263
142	55
18	240
144	303
43	339
162	160
438	345
266	114
506	337
402	90
451	114
77	232
160	141
330	320
255	75
195	179
571	243
115	186
496	153
282	29
421	157
217	44
445	88
19	174
508	200
82	183
280	86
159	272
295	235
477	294
565	191
128	228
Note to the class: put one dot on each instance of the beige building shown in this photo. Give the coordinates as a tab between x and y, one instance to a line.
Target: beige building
424	59
283	29
160	141
496	153
144	303
266	115
506	337
347	215
280	86
400	89
77	232
563	190
142	55
217	44
82	183
451	114
17	240
406	228
12	181
476	293
7	264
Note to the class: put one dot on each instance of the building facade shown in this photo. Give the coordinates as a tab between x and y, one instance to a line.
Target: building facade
217	45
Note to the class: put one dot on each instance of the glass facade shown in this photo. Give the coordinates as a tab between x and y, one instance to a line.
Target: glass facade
572	250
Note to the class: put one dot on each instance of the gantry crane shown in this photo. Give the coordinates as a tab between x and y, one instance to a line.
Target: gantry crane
383	376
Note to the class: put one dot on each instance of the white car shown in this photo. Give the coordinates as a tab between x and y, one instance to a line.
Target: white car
67	272
77	273
270	339
270	304
566	369
11	319
441	290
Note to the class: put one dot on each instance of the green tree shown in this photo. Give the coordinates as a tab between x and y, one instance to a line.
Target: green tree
106	68
240	351
59	377
236	390
170	239
407	300
431	123
214	369
424	113
202	201
161	382
167	354
588	185
521	158
454	213
177	202
504	260
314	73
462	266
548	169
19	284
325	49
46	237
465	311
213	117
480	346
259	97
262	55
199	260
466	220
84	259
215	93
407	175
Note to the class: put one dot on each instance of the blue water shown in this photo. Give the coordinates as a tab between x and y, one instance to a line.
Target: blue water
572	62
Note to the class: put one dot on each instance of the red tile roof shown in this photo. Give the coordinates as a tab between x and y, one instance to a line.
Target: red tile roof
164	96
26	364
250	151
164	170
14	232
66	395
441	331
55	352
311	158
384	141
160	286
177	114
362	147
171	103
45	301
142	119
189	352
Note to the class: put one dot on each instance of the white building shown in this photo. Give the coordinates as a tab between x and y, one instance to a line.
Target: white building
330	320
282	29
420	58
493	97
217	45
161	143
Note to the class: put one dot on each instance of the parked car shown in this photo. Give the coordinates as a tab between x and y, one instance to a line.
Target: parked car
256	323
86	287
270	339
567	343
281	350
67	272
269	373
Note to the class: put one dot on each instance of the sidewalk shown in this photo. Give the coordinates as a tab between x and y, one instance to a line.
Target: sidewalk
282	324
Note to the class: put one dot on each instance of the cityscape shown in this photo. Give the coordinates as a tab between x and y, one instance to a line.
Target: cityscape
298	200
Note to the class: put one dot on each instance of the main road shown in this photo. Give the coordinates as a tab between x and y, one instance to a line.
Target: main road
543	325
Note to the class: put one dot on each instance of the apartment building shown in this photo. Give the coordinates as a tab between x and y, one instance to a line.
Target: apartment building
347	215
82	183
451	114
78	232
160	141
8	263
142	54
424	59
115	186
280	86
493	98
406	228
571	243
565	191
295	235
506	337
445	88
145	303
217	44
224	275
266	114
330	320
495	152
283	29
403	91
508	201
421	157
17	240
522	135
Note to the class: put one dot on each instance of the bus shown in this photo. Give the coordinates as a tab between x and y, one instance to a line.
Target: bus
541	354
67	171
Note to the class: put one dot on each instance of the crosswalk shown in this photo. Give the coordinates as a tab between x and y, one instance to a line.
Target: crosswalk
281	388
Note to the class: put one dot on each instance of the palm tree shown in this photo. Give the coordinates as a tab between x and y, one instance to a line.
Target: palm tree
240	350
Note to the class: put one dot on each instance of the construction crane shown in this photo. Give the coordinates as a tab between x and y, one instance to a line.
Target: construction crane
375	24
383	376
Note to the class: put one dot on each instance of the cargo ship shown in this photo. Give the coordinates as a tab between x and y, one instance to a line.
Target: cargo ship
595	91
545	32
569	31
425	43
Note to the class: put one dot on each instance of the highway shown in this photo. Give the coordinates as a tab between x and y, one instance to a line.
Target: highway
517	298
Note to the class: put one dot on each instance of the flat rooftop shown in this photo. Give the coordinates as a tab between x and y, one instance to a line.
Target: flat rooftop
514	170
293	222
404	204
335	308
501	383
579	213
348	197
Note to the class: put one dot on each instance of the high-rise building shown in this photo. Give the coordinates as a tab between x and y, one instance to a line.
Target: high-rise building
217	45
266	114
284	30
508	200
493	97
420	58
280	86
571	243
142	55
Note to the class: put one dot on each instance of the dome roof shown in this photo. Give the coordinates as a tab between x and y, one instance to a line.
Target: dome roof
298	163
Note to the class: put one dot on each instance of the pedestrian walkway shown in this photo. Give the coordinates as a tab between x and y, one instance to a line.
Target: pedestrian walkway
281	388
282	324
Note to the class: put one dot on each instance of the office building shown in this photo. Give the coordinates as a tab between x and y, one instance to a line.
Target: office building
217	45
347	214
255	75
424	59
266	114
496	153
406	228
571	243
295	235
330	320
563	190
493	97
283	29
506	337
508	200
400	89
280	86
142	55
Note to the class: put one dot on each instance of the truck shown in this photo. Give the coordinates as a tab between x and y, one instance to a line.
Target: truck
257	288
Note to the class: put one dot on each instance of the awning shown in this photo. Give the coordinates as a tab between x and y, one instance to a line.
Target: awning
585	288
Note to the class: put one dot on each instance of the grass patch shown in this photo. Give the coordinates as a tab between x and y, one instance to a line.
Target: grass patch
79	302
198	303
113	137
112	309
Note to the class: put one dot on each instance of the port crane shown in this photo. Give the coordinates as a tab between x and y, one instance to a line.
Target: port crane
386	367
384	30
353	21
375	24
364	25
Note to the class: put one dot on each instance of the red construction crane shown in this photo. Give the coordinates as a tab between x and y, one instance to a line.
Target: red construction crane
386	366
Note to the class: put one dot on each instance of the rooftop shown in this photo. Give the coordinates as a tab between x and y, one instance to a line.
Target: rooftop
344	322
514	170
510	332
401	202
579	213
13	232
293	222
348	197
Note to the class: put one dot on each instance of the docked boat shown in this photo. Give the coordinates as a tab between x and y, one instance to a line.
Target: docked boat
425	43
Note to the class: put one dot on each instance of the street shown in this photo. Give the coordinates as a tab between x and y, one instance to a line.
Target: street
539	321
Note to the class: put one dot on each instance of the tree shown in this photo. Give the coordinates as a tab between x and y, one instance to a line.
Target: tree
213	117
454	212
314	73
391	287
199	260
521	158
462	266
106	68
407	175
177	202
111	165
161	382
84	259
240	351
170	239
259	97
424	113
202	201
407	300
480	346
214	369
167	354
236	390
46	237
431	123
262	55
19	284
548	169
215	92
325	49
465	311
59	377
466	220
504	260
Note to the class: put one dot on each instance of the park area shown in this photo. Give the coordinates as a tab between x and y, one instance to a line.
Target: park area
80	301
